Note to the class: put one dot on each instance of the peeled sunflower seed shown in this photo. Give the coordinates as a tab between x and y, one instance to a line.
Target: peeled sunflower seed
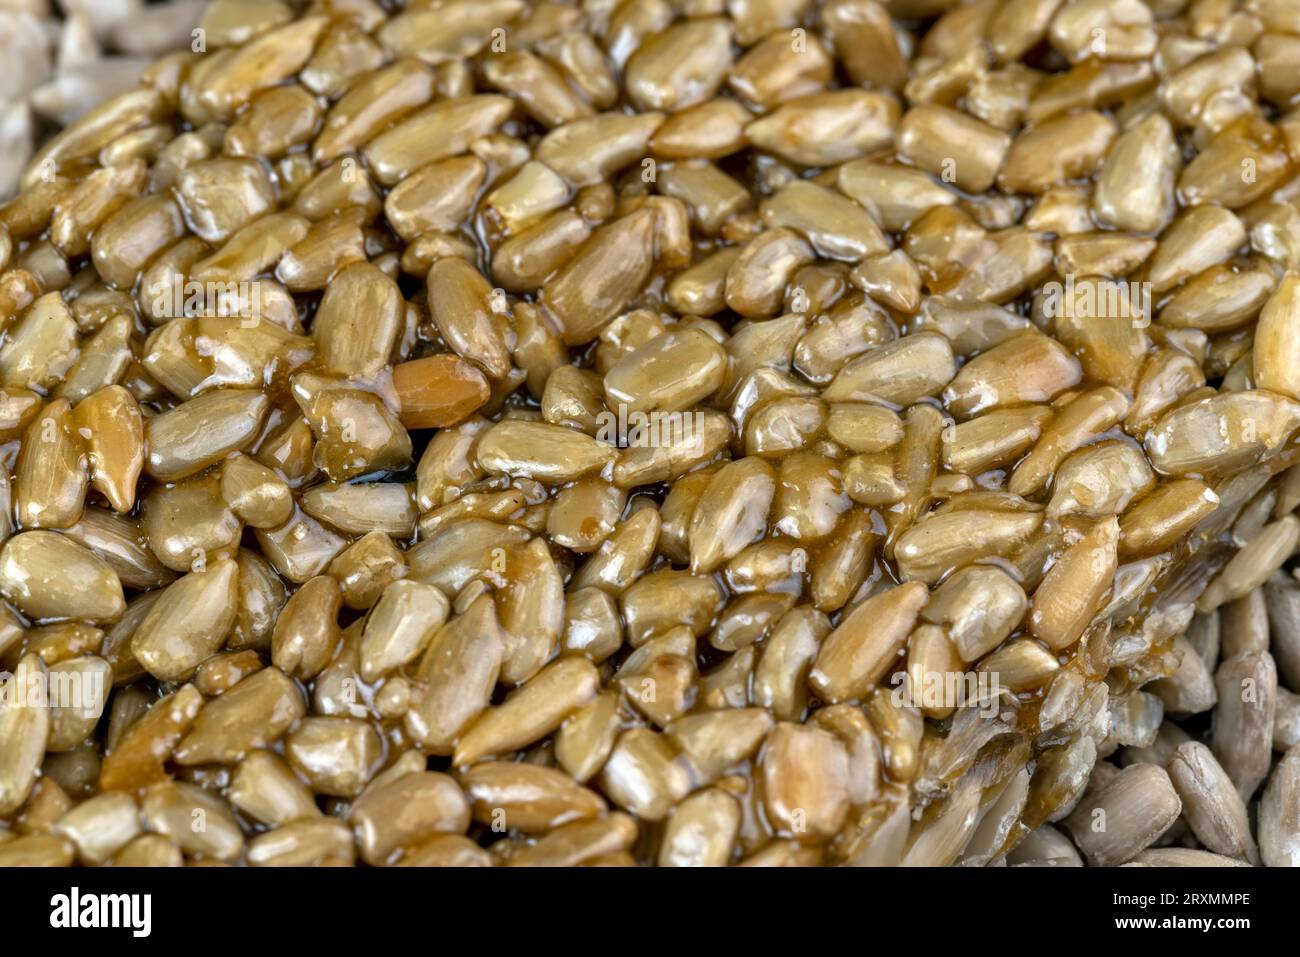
1210	803
188	622
201	432
1107	833
807	414
1279	830
49	575
1243	718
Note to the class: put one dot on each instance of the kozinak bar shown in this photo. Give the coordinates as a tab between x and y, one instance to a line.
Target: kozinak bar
667	432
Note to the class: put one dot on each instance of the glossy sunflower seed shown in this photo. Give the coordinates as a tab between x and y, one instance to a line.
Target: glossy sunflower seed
459	672
671	372
254	492
25	721
362	507
51	476
682	66
188	523
264	788
701	831
822	129
945	540
866	645
1072	592
336	755
927	136
907	439
602	277
899	373
201	432
92	201
150	850
532	612
731	513
1032	164
38	850
263	63
48	575
461	30
306	630
537	709
806	776
452	124
314	843
276	121
528	798
124	245
345	345
541	451
188	622
1253	565
223	195
370	104
170	808
101	826
1275	338
836	227
405	812
40	348
1202	237
400	626
110	422
646	774
138	758
1158	520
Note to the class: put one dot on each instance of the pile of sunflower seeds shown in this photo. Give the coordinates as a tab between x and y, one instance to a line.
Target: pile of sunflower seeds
61	61
662	432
